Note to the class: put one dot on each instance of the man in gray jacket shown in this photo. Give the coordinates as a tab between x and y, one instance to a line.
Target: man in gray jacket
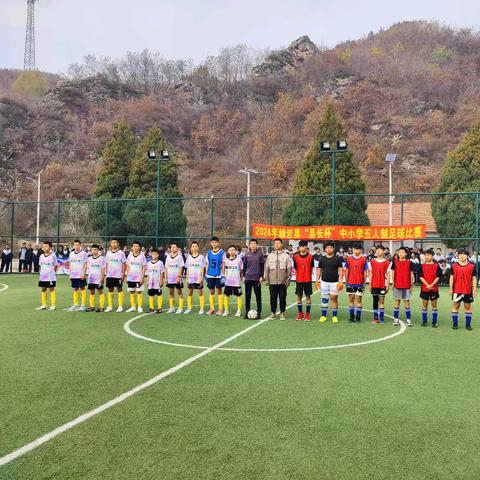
278	273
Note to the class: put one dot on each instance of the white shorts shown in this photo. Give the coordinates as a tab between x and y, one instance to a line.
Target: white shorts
329	288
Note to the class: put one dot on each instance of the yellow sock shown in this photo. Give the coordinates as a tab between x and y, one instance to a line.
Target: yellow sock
180	302
75	297
53	298
84	296
212	302
220	301
226	302
132	300
44	299
92	300
151	302
239	303
102	300
190	302
139	299
171	302
120	299
110	299
202	301
160	301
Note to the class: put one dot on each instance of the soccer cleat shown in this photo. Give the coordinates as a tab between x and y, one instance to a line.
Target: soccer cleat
358	319
396	323
226	313
409	323
179	311
468	327
381	322
307	317
73	308
187	311
434	325
108	309
119	309
239	313
42	307
273	316
90	309
201	312
159	310
100	310
351	320
219	312
82	308
323	318
375	320
334	319
455	327
283	316
151	310
424	324
140	310
171	310
259	316
211	311
300	316
131	309
52	308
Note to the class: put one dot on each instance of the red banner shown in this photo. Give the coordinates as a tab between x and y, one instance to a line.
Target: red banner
340	232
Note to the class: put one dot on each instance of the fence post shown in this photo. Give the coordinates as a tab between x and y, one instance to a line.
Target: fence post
58	223
401	209
476	230
105	230
212	215
12	228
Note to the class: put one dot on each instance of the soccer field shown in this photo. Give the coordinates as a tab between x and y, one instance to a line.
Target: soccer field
405	407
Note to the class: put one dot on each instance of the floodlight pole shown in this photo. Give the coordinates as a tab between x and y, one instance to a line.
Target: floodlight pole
390	158
333	157
164	155
247	172
38	183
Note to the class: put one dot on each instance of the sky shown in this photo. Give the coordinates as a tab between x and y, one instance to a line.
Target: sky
66	30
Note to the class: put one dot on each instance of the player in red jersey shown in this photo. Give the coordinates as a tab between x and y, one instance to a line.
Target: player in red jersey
402	280
355	271
378	279
463	287
430	274
303	262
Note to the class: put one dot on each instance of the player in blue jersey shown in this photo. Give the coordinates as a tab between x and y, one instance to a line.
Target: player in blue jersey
214	265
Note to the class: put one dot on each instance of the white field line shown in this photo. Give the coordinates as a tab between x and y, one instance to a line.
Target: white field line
19	452
4	287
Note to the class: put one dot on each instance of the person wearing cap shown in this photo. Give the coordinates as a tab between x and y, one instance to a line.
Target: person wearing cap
430	273
463	287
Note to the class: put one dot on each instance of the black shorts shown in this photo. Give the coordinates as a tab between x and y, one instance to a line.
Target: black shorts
78	282
133	285
114	282
214	283
352	289
237	291
178	286
463	297
95	286
379	292
195	286
303	288
431	295
47	284
154	291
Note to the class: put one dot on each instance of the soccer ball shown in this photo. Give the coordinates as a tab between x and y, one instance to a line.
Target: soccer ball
252	314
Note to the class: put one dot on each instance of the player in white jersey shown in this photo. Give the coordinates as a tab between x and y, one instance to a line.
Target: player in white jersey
48	264
136	265
115	262
155	277
174	272
195	272
96	274
77	265
232	272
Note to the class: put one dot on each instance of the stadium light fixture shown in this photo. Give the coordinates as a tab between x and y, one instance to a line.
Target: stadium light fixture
152	155
165	155
325	146
341	145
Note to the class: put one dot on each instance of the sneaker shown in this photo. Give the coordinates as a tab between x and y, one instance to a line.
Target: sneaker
131	309
108	309
358	318
468	327
259	316
381	322
119	310
73	308
351	320
42	307
52	308
323	318
300	316
171	310
226	313
307	317
211	311
375	321
201	312
219	312
273	316
140	309
409	323
283	316
434	325
187	311
151	310
159	310
396	323
90	309
455	327
179	311
238	314
100	310
334	319
424	324
82	308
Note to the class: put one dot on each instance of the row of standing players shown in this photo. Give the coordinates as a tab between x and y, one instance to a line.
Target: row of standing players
224	273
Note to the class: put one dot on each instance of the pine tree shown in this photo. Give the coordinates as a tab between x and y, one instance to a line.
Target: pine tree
139	215
314	175
455	215
112	181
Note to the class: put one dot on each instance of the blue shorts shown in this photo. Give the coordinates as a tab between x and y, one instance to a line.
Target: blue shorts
214	283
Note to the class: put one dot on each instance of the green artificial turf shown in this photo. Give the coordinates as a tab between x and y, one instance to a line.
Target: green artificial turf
405	408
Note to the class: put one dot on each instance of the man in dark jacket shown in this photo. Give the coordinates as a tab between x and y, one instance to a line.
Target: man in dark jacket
6	257
37	251
22	254
253	267
29	258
